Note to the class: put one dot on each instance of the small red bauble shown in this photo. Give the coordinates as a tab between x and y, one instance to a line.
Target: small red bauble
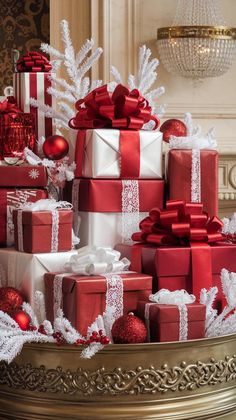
22	319
10	299
173	127
129	329
55	147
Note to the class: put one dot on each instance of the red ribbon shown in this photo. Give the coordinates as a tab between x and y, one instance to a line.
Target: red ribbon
33	61
122	109
7	107
179	223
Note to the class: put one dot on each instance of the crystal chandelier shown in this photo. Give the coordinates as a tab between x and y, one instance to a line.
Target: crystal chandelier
198	44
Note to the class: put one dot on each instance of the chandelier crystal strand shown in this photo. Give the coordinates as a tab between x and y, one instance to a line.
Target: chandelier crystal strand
199	44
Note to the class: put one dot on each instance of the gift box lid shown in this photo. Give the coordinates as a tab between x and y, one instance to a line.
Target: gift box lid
106	195
172	260
170	313
97	284
22	176
44	217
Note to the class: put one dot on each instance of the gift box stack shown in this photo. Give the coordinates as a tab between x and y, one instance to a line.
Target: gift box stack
31	228
119	201
119	168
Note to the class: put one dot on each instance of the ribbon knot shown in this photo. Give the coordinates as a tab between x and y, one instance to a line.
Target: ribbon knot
123	109
33	61
179	223
96	261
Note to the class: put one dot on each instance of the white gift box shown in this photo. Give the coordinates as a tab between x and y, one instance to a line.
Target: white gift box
34	85
102	155
26	271
105	229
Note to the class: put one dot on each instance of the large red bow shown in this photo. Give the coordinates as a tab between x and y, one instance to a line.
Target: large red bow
33	61
179	223
7	107
123	109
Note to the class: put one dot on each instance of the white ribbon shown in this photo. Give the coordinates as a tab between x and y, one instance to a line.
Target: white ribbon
195	141
179	298
92	260
42	205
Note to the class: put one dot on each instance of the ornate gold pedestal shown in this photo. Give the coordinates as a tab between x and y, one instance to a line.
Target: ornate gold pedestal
191	380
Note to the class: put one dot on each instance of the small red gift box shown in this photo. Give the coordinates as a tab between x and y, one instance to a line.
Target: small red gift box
84	297
23	176
179	177
174	268
38	232
164	321
12	198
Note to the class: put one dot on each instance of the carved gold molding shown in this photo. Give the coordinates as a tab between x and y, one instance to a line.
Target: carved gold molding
118	381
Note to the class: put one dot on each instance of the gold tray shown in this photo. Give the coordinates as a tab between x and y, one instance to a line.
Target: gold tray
163	381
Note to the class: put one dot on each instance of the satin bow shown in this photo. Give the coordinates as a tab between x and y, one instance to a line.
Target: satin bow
7	107
179	223
46	204
96	261
178	297
123	109
33	61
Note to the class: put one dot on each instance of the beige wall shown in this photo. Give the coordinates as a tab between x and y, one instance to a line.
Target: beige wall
120	26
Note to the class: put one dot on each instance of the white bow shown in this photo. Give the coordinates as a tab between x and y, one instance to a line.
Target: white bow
178	297
97	260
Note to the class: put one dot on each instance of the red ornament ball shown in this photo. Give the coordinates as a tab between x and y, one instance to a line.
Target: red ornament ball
22	319
173	127
55	147
129	329
10	299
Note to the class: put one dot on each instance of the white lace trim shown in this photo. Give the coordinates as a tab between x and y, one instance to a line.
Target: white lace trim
20	231
130	209
183	322
196	177
114	300
57	293
55	231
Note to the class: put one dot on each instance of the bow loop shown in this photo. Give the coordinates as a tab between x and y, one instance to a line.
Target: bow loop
179	223
123	109
33	61
7	107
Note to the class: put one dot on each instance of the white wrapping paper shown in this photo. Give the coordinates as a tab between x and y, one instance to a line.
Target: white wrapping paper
102	156
102	229
26	271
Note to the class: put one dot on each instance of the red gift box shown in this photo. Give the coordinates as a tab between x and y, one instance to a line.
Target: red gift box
105	195
37	231
179	177
164	321
11	198
34	85
23	176
172	267
84	297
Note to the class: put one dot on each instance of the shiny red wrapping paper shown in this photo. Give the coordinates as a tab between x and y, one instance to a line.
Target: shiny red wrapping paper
179	177
37	231
23	176
84	297
172	267
164	321
106	195
17	131
11	198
